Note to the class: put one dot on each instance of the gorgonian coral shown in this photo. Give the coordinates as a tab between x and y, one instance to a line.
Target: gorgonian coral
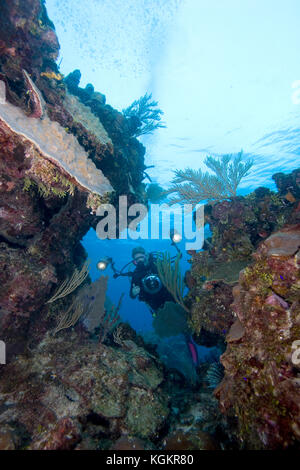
193	186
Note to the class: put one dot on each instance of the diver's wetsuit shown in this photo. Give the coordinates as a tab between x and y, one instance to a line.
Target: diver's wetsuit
154	300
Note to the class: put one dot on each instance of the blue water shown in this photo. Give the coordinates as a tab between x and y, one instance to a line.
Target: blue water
173	350
225	73
136	313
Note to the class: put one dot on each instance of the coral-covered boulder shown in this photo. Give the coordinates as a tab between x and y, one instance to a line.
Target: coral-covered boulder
211	310
238	227
70	390
261	383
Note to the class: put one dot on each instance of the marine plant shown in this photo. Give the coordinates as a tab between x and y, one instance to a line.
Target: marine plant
171	277
45	191
110	320
214	375
71	283
192	186
69	317
91	305
144	115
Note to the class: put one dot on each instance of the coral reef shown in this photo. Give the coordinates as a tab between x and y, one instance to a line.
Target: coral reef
196	422
60	145
73	378
70	390
191	440
255	311
238	227
121	158
261	383
288	185
54	143
129	443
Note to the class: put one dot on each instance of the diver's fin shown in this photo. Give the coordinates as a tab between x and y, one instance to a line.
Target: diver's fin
193	351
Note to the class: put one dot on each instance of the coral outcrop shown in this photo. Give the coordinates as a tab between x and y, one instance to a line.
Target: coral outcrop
195	421
73	392
51	141
238	227
261	383
244	289
63	152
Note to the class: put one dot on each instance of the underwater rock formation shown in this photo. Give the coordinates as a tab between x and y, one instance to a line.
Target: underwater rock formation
288	185
261	383
51	141
70	391
195	421
238	226
254	306
62	149
191	440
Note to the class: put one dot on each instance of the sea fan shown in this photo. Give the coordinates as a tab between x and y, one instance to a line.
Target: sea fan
145	116
214	375
193	186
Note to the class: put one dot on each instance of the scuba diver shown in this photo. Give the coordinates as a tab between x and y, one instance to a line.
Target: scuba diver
147	286
145	282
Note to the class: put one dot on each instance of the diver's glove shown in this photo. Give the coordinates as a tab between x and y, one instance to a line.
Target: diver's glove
135	291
